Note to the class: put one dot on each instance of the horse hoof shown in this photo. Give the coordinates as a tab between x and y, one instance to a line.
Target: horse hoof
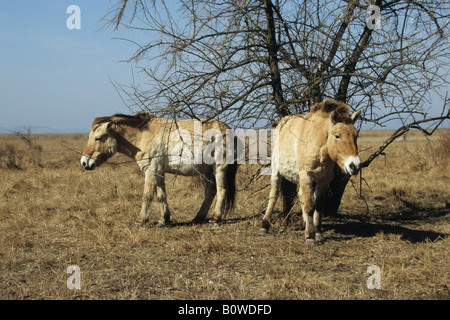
310	241
159	224
319	237
213	224
262	231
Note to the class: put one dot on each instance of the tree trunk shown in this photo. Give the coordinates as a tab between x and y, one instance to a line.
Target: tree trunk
272	48
335	192
337	186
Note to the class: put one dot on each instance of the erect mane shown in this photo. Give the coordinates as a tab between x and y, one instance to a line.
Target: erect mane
325	108
139	120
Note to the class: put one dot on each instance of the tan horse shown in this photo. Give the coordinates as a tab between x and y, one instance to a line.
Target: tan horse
308	148
162	146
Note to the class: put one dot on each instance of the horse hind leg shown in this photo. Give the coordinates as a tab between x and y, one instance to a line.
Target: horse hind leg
320	195
210	193
221	191
273	196
162	199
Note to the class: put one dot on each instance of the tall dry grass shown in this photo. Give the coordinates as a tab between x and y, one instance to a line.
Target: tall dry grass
53	215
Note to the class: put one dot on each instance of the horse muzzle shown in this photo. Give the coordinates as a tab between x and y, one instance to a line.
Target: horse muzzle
352	165
87	163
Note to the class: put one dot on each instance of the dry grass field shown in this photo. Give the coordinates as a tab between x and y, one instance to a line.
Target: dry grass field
53	214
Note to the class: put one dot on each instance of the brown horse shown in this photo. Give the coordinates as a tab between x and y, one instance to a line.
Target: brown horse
162	146
308	148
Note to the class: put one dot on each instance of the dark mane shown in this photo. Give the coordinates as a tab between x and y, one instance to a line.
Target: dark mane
139	120
328	106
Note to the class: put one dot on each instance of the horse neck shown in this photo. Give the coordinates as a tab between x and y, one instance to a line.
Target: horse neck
128	141
327	150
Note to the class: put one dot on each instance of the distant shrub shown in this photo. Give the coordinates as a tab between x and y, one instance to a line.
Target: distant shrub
10	156
13	157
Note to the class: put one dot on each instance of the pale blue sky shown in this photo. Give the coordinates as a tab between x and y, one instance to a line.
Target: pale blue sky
54	77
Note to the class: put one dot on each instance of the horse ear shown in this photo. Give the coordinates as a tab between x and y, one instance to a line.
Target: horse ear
106	126
334	117
355	116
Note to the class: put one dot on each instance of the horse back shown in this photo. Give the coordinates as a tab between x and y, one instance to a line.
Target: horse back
177	146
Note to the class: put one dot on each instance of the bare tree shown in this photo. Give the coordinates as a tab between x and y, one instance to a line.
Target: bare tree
251	62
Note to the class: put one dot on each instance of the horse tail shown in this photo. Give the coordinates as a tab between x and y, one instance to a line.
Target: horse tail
231	186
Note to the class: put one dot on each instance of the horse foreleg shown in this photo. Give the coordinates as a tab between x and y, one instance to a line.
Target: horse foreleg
210	193
147	197
308	208
275	184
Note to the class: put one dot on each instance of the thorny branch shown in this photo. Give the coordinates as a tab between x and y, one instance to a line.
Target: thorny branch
404	129
251	62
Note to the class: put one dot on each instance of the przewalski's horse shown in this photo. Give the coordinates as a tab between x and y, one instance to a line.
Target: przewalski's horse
162	146
309	146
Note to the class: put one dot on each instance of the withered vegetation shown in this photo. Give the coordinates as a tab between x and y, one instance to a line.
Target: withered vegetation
53	214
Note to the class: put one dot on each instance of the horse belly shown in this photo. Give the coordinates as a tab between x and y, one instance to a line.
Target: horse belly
184	169
288	164
286	153
288	170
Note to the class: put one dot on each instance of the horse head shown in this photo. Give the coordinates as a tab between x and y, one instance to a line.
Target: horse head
101	145
341	142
